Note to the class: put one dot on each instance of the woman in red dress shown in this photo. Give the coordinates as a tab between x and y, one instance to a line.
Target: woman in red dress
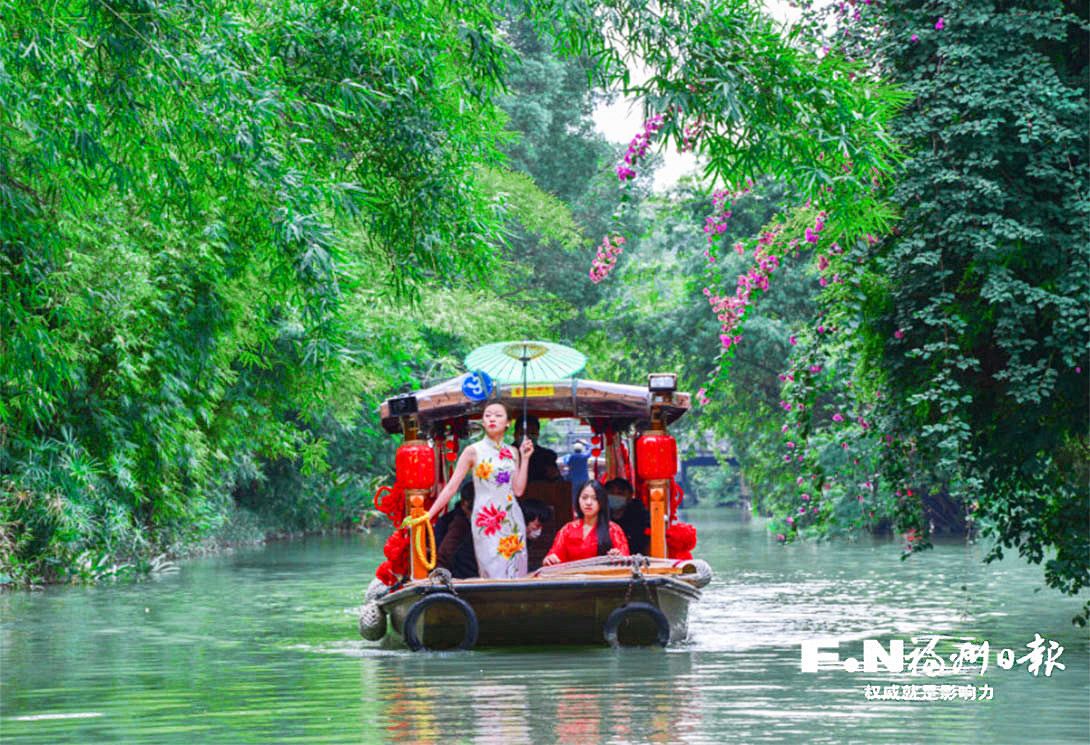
591	535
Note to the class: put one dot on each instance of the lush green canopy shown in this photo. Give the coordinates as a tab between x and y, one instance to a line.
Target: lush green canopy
227	227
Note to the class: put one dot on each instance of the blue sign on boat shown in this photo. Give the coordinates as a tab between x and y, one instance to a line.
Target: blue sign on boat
477	386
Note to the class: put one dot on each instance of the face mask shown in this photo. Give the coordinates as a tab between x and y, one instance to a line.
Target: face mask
617	501
534	533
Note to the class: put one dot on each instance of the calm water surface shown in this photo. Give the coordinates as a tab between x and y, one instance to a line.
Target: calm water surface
261	647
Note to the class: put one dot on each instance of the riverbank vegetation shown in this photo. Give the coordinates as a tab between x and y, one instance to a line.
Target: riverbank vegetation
229	230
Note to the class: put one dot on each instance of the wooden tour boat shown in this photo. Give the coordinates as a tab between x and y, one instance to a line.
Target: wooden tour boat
621	601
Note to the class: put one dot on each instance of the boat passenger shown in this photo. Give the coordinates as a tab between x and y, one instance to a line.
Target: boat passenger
499	475
540	530
592	533
543	462
454	537
576	461
630	514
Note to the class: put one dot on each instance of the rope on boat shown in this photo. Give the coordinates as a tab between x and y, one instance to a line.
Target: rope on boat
606	561
441	580
695	572
372	622
637	578
421	544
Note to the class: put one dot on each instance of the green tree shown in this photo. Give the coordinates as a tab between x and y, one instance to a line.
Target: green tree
190	192
965	329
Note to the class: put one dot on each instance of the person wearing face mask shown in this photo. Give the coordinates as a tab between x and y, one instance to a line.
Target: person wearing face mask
543	460
540	530
630	514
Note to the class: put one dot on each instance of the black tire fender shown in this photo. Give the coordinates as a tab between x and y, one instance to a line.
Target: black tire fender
412	639
619	614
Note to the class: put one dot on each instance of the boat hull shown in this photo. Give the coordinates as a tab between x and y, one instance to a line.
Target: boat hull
545	611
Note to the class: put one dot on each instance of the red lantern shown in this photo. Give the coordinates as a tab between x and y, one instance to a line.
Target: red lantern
415	463
656	456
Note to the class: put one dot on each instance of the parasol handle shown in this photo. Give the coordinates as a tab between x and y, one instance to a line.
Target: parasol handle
525	360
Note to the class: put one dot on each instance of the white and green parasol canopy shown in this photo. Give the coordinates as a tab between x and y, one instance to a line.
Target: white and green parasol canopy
545	361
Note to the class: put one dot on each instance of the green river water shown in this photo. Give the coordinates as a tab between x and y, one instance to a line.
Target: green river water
260	646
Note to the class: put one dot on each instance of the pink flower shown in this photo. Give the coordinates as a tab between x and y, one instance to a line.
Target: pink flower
913	38
490	519
815	510
939	25
802	510
790	445
898	334
780	538
792	340
805	497
790	521
815	368
811	237
837	418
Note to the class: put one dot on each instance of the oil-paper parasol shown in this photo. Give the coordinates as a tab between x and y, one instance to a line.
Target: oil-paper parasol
526	361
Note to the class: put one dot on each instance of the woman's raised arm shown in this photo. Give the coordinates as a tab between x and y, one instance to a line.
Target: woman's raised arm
466	461
518	484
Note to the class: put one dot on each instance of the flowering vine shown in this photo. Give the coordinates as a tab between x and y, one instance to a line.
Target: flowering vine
607	258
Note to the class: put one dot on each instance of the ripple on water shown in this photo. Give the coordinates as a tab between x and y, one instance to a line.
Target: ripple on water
262	647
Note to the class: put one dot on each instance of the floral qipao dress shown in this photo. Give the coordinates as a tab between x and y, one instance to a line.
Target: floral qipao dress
499	529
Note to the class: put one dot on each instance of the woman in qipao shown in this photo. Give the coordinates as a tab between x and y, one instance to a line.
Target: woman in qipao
499	476
592	533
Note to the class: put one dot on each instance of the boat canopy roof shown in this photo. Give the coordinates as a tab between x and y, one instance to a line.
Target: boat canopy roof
620	403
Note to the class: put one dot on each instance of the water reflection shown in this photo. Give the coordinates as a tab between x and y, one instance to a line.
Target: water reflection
571	697
261	647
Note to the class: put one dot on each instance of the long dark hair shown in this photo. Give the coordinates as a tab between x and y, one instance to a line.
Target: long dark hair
602	528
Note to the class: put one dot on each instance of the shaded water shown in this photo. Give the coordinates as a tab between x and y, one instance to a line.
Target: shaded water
260	647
